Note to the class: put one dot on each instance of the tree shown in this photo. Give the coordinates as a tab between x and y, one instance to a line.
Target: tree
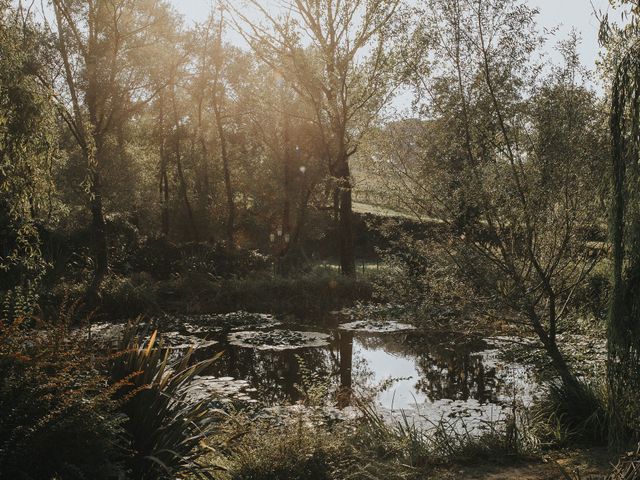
218	104
623	334
28	146
333	54
100	44
511	163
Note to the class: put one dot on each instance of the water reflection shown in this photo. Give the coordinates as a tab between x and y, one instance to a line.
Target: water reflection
414	369
345	363
276	375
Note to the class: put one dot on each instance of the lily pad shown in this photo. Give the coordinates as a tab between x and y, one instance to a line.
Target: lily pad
376	326
278	339
374	310
176	341
226	322
107	333
219	390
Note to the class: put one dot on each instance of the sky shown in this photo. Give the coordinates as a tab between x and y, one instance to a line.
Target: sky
563	14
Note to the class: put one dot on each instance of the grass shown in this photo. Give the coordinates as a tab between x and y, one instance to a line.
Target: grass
261	451
570	417
367	448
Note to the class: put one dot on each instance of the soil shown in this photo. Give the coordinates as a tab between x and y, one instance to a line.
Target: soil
587	464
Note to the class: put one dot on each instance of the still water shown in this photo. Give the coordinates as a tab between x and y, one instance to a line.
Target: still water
419	375
428	376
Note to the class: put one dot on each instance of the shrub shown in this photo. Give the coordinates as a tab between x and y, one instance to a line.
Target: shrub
593	296
161	258
58	419
127	297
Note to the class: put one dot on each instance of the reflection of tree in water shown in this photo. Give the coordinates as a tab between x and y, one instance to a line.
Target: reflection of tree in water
455	375
448	369
345	367
274	374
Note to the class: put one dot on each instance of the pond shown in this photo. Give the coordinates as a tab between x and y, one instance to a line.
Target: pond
405	372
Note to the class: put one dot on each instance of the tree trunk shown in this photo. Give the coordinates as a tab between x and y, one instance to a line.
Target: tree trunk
347	248
164	176
623	335
98	240
224	154
286	166
184	191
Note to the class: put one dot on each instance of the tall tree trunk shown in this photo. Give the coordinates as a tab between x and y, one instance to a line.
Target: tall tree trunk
224	154
184	191
347	248
623	335
286	206
164	176
217	103
98	239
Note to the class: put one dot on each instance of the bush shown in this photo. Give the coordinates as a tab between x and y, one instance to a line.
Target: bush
161	258
592	298
127	297
58	419
313	293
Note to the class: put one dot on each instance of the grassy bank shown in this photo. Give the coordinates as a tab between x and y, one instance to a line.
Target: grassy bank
304	294
370	448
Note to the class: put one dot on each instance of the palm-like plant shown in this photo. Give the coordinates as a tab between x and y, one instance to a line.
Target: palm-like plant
166	430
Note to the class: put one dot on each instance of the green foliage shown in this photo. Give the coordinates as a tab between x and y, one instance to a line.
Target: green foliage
162	259
305	294
125	297
164	427
623	327
19	303
27	146
59	419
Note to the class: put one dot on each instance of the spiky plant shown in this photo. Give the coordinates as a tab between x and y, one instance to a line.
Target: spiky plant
165	429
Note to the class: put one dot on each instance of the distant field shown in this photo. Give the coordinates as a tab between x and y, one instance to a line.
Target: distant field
366	208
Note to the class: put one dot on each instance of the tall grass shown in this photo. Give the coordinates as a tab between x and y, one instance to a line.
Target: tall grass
424	443
370	447
571	416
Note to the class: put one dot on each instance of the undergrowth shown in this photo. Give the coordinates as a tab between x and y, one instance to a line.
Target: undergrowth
369	447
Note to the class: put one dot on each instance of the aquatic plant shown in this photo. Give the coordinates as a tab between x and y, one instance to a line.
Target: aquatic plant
278	339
